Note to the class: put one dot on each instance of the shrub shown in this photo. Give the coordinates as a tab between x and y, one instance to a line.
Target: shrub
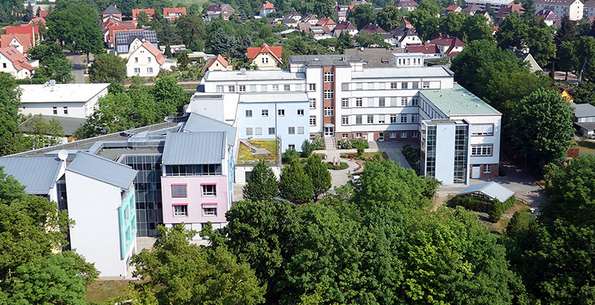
307	149
360	145
412	155
498	208
494	208
317	143
289	155
340	166
344	144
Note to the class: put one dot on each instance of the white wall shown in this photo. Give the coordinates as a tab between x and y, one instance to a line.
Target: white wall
75	110
265	62
142	63
6	66
445	152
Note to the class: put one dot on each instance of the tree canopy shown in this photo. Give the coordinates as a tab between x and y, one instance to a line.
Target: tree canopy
262	184
9	114
107	68
75	24
53	64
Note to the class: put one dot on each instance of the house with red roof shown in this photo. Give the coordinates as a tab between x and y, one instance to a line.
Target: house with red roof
327	22
448	46
453	8
173	13
429	49
372	28
217	63
21	42
266	9
346	27
150	12
265	57
144	59
16	64
112	26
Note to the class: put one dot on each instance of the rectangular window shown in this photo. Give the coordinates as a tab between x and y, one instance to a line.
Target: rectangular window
359	86
404	101
414	118
258	131
415	85
345	103
291	130
328	111
300	130
287	87
271	130
149	70
249	131
312	120
329	94
265	60
393	118
358	119
311	87
209	211
209	190
487	169
136	59
426	85
65	110
404	85
219	88
242	88
403	118
55	110
403	135
137	70
291	147
329	77
275	87
344	120
392	135
482	130
394	85
180	210
381	118
264	112
248	113
179	191
482	150
312	103
414	101
281	112
359	102
231	88
300	112
345	86
381	102
370	119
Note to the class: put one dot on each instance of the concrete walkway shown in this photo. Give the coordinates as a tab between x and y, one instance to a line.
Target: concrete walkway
342	177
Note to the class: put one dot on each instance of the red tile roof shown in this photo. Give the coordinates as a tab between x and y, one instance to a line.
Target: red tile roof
452	7
428	48
276	51
24	39
218	58
326	21
153	50
22	29
174	10
268	6
150	12
344	26
448	41
372	28
17	59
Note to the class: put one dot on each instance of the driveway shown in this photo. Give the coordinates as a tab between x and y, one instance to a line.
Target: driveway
78	63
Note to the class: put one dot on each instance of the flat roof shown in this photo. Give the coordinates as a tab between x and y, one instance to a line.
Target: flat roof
458	101
273	97
37	174
397	72
185	148
323	60
60	93
253	75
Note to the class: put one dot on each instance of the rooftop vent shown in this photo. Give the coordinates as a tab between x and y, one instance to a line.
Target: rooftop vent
243	71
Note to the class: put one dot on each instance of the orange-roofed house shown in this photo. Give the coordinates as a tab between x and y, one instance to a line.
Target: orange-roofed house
15	63
144	59
111	27
265	57
218	63
266	9
150	12
173	13
30	29
21	42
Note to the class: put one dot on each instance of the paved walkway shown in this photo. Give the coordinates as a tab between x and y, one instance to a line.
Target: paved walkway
393	150
341	177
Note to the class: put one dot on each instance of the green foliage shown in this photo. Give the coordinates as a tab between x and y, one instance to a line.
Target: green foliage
360	146
52	63
567	59
493	207
540	128
426	19
584	92
43	133
107	68
9	115
178	272
307	148
295	185
570	191
586	58
412	155
476	27
363	15
517	33
452	24
262	184
367	40
75	24
352	143
338	166
290	155
390	17
10	10
319	175
169	95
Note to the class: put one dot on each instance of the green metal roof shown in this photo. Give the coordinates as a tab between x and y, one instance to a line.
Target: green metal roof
458	101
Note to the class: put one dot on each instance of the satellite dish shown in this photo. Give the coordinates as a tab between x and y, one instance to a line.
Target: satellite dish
62	155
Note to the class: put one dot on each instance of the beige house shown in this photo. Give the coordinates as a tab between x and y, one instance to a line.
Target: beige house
265	57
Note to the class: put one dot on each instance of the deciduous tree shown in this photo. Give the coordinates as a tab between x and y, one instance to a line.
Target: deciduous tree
9	115
107	68
53	65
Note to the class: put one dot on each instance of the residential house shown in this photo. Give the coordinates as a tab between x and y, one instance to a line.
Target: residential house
144	59
571	8
310	19
320	32
430	50
485	5
265	57
453	8
111	26
584	119
342	12
292	20
528	58
589	9
111	12
266	9
472	9
329	23
124	38
28	35
219	10
217	63
149	12
64	100
448	46
407	5
549	17
347	27
402	37
173	13
21	42
16	64
372	28
507	10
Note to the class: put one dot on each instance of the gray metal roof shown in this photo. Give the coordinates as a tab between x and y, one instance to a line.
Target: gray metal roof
102	169
111	10
375	57
69	124
201	123
37	174
125	38
185	148
583	110
490	189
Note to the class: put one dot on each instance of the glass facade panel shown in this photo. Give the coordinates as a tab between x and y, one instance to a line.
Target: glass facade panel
431	152
460	166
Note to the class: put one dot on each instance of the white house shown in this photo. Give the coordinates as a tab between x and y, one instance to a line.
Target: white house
16	64
66	100
571	8
144	59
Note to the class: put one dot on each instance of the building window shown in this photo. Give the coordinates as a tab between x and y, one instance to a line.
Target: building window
394	85
482	150
275	87
358	135
291	130
312	120
300	112
291	147
359	102
149	70
209	190
300	130
249	132
404	85
65	109
312	103
381	102
370	119
482	130
328	111
55	110
345	102
286	87
393	118
344	120
426	85
381	119
180	210
219	88
487	169
415	85
137	71
359	86
179	191
4	65
242	88
329	94
281	112
231	88
414	118
264	60
415	101
265	112
248	113
345	86
271	130
209	211
403	135
404	101
358	119
329	77
392	135
312	87
403	118
136	59
258	131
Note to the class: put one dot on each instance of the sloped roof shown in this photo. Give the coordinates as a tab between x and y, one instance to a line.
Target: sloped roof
372	28
490	189
28	29
583	110
405	3
37	174
159	57
268	6
194	148
24	39
17	59
276	51
150	12
111	10
201	123
102	169
218	58
69	124
448	41
555	2
428	48
174	10
344	26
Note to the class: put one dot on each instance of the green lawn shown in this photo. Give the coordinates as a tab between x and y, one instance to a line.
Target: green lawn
101	291
245	156
586	147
